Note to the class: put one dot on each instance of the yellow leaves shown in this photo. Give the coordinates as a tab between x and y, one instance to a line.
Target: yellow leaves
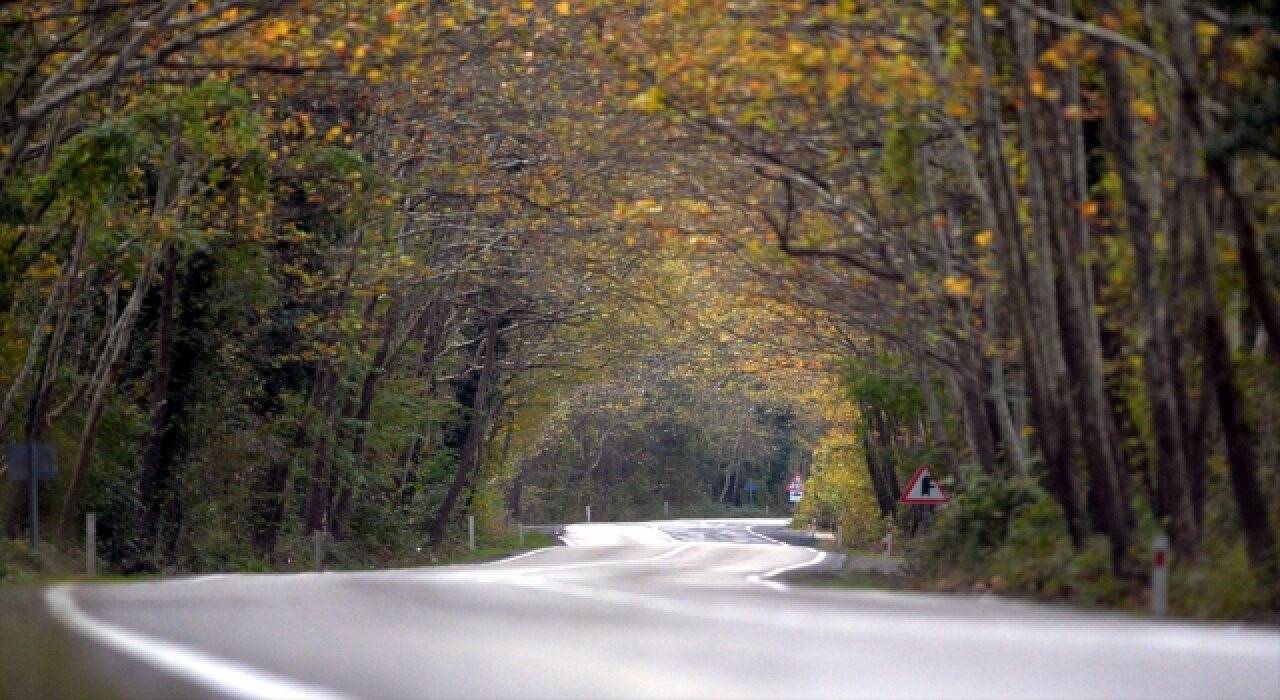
397	13
650	101
275	29
957	286
892	44
1144	110
982	239
957	109
989	11
1073	112
1207	30
333	134
1054	56
1036	82
563	9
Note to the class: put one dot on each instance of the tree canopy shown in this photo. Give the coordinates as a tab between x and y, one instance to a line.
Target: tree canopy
273	267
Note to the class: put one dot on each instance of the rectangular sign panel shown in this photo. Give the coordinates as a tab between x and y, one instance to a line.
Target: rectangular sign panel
19	454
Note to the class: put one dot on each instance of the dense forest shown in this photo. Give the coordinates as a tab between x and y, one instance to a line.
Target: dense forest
274	267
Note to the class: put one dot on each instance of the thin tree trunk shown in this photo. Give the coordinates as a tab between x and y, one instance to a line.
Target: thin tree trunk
1173	492
472	445
1040	363
1191	125
108	365
154	478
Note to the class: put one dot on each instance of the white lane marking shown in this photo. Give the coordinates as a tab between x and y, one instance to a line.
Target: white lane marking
817	557
508	574
596	534
230	678
763	579
516	557
751	529
193	580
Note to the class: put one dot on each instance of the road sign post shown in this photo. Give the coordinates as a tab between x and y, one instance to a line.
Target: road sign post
33	462
1160	576
91	544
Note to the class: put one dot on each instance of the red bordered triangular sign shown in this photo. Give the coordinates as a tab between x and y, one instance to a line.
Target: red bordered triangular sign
924	490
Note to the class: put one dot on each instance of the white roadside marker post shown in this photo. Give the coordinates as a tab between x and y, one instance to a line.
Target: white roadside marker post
521	526
588	513
91	544
886	545
1160	576
471	532
666	509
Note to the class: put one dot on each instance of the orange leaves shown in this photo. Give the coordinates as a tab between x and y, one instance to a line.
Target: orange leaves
1144	110
275	30
958	109
1036	82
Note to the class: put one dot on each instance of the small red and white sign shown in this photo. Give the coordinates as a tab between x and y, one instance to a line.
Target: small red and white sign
923	490
796	487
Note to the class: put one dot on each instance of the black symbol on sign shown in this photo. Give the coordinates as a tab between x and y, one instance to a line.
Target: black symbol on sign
926	485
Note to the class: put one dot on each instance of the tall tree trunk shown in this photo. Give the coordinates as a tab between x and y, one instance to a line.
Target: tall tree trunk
884	499
62	299
1173	490
104	379
1191	126
472	450
1052	151
1257	283
1041	363
316	510
153	481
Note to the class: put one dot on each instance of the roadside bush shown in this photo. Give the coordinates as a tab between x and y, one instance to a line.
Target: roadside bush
1090	579
965	535
1221	585
1037	549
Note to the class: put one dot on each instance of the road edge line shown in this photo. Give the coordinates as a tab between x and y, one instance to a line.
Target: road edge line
752	530
223	676
763	579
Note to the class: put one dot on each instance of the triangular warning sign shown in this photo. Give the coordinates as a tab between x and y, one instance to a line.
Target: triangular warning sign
922	489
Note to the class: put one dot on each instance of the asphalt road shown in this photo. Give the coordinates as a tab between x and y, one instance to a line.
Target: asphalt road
665	609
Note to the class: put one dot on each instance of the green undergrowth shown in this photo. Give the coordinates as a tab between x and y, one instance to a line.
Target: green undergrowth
21	566
1012	539
498	547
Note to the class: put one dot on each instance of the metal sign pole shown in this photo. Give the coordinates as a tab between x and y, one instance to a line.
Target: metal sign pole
34	477
91	543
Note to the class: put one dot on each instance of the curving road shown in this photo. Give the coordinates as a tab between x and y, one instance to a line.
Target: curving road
664	609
